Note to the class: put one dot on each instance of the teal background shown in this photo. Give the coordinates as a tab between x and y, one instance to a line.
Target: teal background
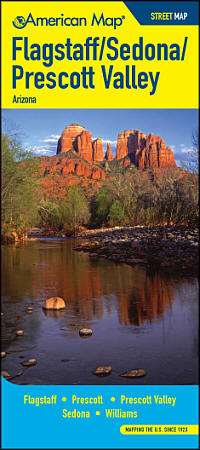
28	426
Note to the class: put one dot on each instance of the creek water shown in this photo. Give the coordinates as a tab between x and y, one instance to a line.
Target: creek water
139	318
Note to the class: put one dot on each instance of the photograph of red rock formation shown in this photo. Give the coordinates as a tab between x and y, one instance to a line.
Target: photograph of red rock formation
144	151
83	153
100	247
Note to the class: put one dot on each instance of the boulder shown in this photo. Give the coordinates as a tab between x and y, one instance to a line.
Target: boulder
5	374
102	371
19	333
29	362
85	332
54	303
134	373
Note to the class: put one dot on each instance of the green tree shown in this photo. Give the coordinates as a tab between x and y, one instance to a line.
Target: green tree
100	206
116	214
50	215
75	210
20	186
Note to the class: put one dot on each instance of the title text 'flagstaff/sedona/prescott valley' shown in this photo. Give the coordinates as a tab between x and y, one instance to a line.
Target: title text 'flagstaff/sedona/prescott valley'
92	49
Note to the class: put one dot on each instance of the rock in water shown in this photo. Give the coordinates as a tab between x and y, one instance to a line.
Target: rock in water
85	332
29	362
5	374
102	371
19	333
134	373
54	303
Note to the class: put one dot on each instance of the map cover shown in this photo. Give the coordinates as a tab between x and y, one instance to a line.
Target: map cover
99	225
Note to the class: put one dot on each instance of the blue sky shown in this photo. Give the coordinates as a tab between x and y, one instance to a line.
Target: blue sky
39	129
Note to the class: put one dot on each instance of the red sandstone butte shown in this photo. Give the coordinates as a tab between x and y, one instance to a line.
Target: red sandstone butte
80	161
68	138
84	145
144	151
97	149
75	137
109	155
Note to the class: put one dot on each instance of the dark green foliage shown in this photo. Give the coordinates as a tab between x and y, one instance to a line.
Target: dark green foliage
68	214
128	197
172	198
116	214
50	215
100	207
75	209
20	186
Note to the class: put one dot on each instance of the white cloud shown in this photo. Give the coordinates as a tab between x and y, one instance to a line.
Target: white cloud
106	141
47	146
40	150
182	149
53	138
186	149
182	153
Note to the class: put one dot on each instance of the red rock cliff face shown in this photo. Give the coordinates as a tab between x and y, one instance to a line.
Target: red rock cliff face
75	137
62	171
78	159
97	149
128	142
109	155
155	154
144	151
84	145
68	138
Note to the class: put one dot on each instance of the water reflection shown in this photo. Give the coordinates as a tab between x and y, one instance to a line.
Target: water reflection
149	300
53	314
131	311
54	269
